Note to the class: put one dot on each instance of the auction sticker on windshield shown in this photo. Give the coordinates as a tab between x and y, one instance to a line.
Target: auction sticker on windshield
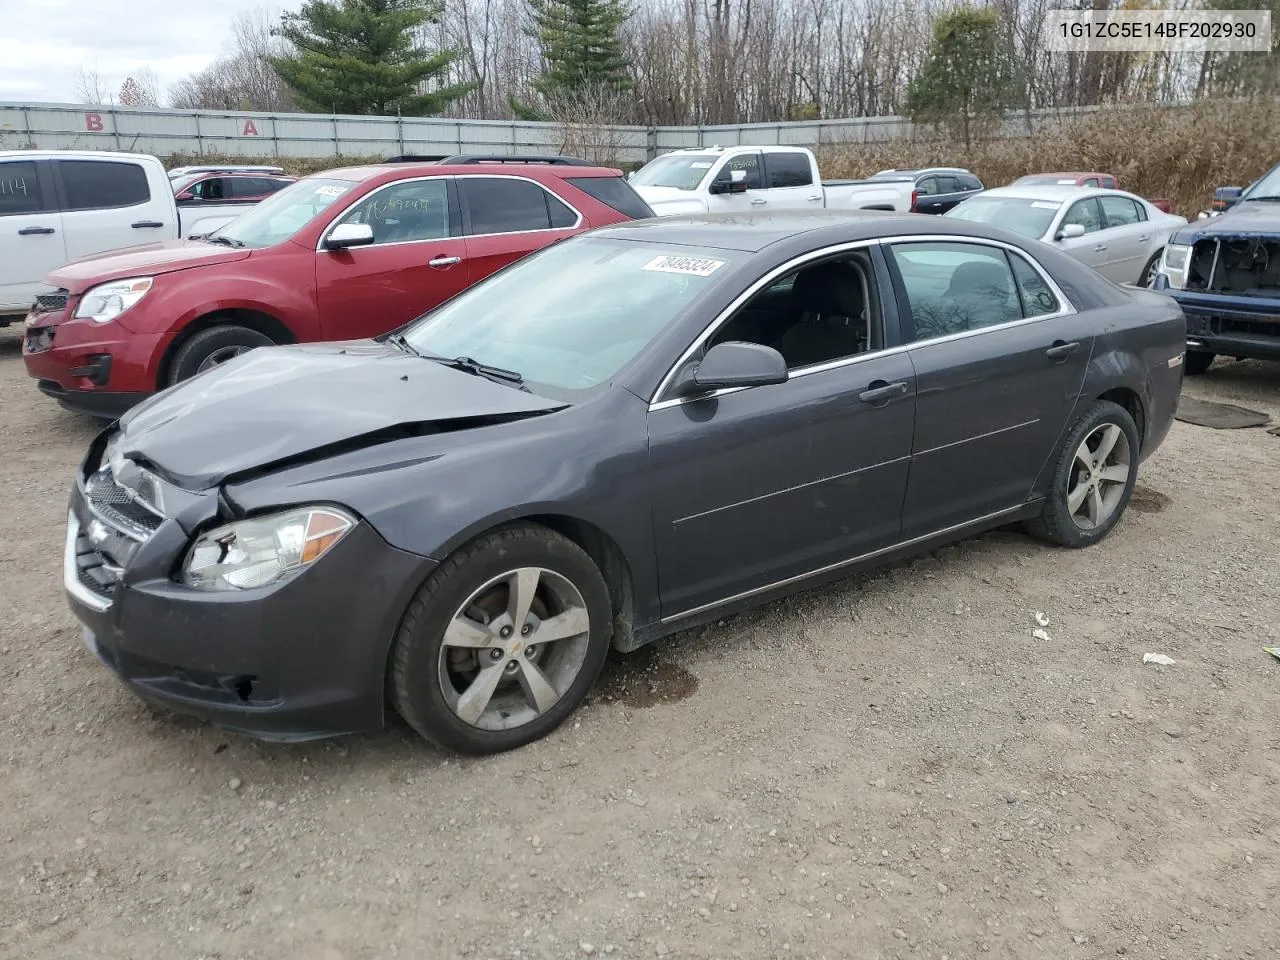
1044	204
331	191
689	266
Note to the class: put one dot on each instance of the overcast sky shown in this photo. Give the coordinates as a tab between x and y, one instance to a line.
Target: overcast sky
44	42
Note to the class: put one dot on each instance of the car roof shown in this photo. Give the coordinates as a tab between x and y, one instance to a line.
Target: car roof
405	171
751	234
76	155
917	171
1067	174
1058	193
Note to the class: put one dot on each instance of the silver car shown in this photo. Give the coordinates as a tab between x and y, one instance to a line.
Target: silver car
1118	234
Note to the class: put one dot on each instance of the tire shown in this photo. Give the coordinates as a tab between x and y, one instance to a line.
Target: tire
1197	362
1058	523
1148	275
457	695
211	346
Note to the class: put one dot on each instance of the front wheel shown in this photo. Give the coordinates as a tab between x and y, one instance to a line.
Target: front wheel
1092	479
502	642
213	346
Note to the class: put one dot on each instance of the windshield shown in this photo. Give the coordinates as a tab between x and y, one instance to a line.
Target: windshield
283	214
682	171
1266	188
1031	218
570	317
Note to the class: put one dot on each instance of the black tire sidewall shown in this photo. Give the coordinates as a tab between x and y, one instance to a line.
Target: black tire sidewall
1056	524
194	351
415	660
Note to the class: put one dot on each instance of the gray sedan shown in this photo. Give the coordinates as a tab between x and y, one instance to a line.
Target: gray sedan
629	433
1118	234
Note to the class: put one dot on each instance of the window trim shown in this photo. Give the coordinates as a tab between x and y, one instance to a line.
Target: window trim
64	204
50	201
1065	307
465	214
450	199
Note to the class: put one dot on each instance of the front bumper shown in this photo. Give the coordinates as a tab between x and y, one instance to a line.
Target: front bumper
1228	327
99	369
297	660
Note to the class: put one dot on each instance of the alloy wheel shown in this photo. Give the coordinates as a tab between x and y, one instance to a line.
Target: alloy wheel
1098	477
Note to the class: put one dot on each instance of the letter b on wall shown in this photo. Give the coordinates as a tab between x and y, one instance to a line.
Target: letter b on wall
93	123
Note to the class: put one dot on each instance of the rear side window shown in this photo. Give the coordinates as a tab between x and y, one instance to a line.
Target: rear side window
969	182
790	169
249	188
1120	211
507	205
103	184
948	184
955	287
19	188
616	193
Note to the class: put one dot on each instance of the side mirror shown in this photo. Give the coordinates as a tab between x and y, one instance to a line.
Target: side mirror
1071	231
1224	198
736	364
186	195
346	235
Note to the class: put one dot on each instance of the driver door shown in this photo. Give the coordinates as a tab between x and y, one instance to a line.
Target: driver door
743	168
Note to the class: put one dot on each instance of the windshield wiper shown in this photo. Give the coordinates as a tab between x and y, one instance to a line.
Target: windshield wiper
398	340
476	368
225	241
1272	198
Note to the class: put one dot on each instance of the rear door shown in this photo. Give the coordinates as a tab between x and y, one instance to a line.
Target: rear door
1129	236
506	218
999	357
1094	248
417	261
108	204
789	183
32	241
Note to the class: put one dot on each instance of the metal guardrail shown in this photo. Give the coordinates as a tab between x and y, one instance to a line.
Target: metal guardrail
248	134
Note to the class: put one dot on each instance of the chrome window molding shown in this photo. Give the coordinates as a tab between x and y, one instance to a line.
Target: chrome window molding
1065	308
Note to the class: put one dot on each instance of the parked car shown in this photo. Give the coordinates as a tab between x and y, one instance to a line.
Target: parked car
345	253
1106	181
758	179
60	205
1225	273
265	170
624	435
211	199
938	189
1118	234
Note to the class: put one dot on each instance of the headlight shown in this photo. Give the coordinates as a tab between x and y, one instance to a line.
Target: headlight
1173	264
107	301
254	553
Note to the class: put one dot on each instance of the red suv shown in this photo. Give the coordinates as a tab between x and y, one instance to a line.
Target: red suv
340	255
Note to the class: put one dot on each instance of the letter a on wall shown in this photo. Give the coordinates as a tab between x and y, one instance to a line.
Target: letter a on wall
250	129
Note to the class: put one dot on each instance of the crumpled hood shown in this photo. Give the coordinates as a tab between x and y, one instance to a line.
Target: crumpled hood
275	404
1244	217
669	202
142	261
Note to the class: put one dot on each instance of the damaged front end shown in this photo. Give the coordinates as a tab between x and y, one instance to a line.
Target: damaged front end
1240	265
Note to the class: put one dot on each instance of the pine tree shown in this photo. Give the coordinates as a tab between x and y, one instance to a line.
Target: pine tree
582	45
361	57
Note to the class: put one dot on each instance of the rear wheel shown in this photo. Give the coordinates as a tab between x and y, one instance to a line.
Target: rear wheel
502	642
211	347
1093	478
1197	362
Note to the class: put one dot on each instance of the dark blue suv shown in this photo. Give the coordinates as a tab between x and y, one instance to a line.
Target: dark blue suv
1224	271
938	189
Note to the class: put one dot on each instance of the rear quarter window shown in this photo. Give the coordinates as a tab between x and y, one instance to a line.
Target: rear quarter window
615	193
103	184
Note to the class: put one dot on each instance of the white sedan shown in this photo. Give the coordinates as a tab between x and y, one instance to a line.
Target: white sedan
1118	234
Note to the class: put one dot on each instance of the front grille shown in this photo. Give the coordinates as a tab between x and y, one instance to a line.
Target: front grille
52	302
93	570
118	507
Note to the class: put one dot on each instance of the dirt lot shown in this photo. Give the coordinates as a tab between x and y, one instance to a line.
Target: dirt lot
882	769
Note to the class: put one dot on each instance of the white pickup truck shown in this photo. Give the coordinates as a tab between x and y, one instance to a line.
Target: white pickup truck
61	205
729	179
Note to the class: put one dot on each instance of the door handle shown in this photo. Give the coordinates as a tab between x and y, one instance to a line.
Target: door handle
1144	238
32	231
758	202
1061	349
147	224
443	261
813	199
878	391
1099	248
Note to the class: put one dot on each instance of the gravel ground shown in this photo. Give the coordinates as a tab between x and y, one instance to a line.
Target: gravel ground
890	767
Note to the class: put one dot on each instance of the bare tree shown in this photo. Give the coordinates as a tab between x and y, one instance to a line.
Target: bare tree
91	88
242	78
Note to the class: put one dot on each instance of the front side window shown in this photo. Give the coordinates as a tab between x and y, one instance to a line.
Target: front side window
927	187
508	205
283	214
103	184
818	314
955	287
556	316
211	188
1086	214
405	212
790	169
749	164
19	188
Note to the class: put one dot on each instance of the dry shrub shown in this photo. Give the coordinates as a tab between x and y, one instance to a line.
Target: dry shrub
1181	153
